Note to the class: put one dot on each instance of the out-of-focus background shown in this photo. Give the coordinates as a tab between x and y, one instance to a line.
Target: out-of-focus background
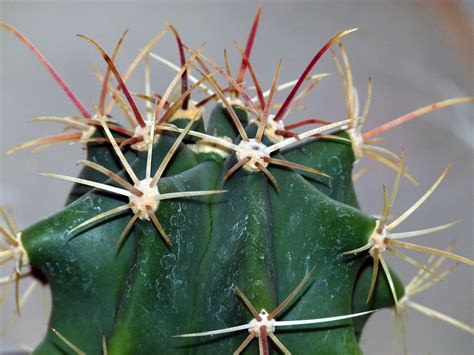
416	52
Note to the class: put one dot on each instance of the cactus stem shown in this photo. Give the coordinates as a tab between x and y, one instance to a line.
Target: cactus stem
263	324
68	342
48	67
142	205
105	82
143	196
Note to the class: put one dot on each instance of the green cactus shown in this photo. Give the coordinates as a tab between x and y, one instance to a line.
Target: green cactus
192	227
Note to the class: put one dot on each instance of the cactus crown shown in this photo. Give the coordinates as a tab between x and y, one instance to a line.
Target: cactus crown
178	230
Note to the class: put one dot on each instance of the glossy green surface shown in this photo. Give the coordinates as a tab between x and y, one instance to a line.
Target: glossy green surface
253	236
221	124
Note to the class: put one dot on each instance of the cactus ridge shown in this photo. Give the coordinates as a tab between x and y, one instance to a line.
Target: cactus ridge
178	228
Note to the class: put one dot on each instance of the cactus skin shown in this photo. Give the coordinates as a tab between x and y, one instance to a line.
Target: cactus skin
254	237
258	236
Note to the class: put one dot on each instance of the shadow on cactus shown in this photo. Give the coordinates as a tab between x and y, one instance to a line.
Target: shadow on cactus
169	220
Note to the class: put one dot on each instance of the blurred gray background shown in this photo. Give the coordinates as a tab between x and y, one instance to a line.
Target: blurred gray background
417	53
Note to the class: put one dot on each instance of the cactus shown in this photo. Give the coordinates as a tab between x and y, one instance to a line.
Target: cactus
190	236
